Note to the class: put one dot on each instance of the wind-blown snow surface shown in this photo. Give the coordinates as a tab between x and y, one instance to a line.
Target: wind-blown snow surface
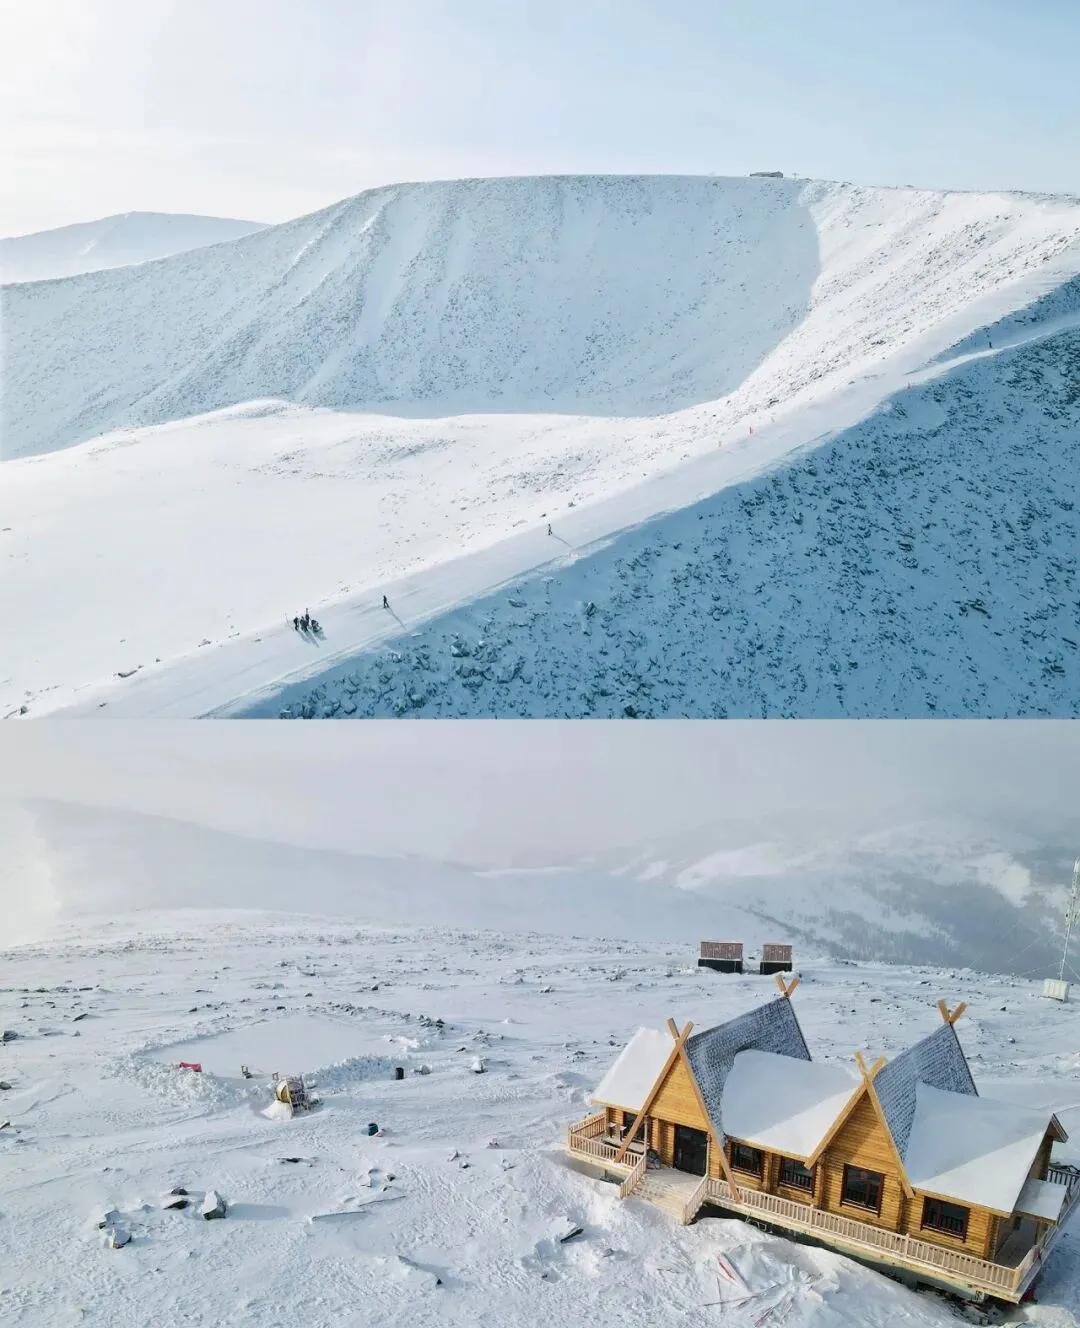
131	237
396	394
453	1215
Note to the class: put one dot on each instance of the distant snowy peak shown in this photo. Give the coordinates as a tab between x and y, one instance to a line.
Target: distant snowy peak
130	237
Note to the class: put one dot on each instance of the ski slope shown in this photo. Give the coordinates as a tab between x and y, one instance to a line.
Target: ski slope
132	237
397	394
453	1214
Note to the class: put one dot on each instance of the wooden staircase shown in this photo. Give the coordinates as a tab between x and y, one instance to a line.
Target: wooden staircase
667	1189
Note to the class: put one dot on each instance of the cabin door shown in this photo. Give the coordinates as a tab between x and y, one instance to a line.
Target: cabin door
691	1150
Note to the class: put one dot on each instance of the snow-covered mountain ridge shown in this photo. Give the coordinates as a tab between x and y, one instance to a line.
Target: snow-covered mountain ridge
396	395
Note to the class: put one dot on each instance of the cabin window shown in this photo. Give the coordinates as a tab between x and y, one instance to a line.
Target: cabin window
795	1174
937	1215
745	1158
862	1188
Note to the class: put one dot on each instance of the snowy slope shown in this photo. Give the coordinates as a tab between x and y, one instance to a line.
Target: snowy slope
970	896
921	563
452	1215
132	237
92	862
396	394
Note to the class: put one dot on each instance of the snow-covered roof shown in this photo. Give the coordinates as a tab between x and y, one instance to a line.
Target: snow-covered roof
1042	1198
783	1102
938	1060
635	1070
771	1027
971	1148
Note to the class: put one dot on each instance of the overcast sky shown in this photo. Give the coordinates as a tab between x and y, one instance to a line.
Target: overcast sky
531	793
265	109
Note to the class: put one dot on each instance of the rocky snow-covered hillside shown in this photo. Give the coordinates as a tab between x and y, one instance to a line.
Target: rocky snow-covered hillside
920	563
685	376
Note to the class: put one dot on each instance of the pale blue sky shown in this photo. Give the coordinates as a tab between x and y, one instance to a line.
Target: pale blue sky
269	108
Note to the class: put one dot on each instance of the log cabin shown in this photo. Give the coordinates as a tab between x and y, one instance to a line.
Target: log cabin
901	1164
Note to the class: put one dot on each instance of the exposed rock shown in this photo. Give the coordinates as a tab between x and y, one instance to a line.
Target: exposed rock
213	1205
117	1238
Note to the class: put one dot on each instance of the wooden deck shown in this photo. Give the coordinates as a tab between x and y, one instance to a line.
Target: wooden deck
589	1141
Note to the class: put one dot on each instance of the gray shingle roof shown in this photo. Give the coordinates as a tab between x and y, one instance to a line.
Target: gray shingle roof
938	1060
771	1027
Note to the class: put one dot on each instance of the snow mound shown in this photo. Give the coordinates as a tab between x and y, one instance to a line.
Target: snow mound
186	1087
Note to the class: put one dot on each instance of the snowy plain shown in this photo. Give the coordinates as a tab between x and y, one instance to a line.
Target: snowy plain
397	394
454	1213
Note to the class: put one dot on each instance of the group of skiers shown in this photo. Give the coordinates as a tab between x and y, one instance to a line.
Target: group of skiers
306	624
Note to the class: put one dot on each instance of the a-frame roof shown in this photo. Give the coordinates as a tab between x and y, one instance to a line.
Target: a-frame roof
711	1053
937	1061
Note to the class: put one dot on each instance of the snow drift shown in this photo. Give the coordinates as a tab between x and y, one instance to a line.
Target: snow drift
132	237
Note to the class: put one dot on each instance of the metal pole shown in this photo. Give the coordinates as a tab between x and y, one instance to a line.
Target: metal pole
1070	915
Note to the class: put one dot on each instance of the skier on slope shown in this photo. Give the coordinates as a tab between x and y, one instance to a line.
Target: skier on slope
385	602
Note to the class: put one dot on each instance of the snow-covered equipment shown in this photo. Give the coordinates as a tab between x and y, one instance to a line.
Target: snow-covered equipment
295	1092
775	958
194	1066
1057	989
901	1163
723	956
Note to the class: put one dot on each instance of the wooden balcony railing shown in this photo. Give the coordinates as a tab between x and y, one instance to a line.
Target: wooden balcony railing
995	1278
590	1137
633	1180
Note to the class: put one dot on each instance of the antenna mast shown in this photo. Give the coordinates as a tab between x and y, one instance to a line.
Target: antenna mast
1072	913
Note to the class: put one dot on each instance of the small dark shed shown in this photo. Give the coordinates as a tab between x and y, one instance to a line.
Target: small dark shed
723	956
775	959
